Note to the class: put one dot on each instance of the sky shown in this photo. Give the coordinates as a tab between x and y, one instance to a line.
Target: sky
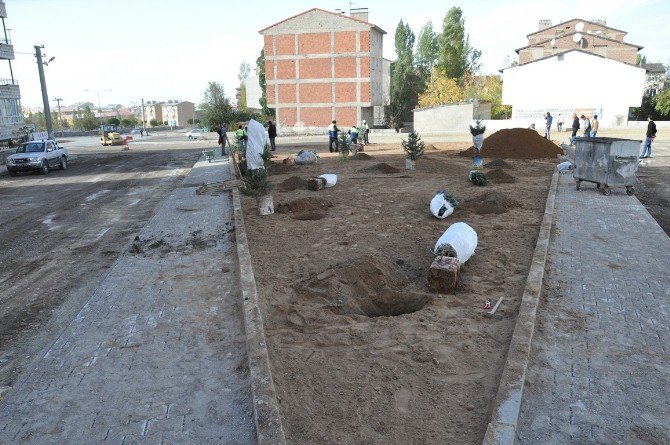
170	49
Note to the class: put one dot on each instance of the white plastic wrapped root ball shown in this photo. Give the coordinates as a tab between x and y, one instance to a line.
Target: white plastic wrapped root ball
459	241
330	178
440	207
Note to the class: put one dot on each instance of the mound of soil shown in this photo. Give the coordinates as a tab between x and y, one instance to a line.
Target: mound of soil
381	168
292	183
305	209
276	168
497	163
366	285
490	202
362	157
516	143
500	176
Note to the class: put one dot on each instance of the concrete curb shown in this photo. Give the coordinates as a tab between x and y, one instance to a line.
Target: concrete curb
267	415
501	429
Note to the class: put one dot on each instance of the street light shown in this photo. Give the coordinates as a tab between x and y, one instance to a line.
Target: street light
102	129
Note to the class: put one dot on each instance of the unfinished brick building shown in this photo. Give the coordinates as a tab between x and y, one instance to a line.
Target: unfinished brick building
322	66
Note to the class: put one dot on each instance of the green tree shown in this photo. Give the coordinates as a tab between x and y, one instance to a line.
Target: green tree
153	122
663	102
128	122
427	51
489	89
113	121
260	64
405	83
216	107
456	57
640	59
88	120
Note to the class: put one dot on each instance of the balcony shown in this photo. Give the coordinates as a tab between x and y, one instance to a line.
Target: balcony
9	89
3	10
6	50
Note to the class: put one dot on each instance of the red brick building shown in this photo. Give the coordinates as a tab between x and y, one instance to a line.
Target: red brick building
322	66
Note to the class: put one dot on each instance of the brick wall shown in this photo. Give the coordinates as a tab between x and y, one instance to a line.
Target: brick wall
315	68
345	67
287	93
345	42
285	45
285	69
345	92
287	117
346	117
315	93
612	50
316	116
314	43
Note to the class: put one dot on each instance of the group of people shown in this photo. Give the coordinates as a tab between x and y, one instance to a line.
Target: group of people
590	126
354	133
241	136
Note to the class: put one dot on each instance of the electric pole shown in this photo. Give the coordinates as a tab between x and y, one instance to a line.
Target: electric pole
45	96
60	119
144	122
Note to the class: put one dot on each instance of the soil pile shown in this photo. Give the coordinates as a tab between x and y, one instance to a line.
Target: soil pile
306	209
276	168
500	176
381	168
362	157
497	163
292	183
365	285
516	143
490	202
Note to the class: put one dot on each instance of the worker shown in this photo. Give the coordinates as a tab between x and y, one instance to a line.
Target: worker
366	130
332	137
353	134
240	136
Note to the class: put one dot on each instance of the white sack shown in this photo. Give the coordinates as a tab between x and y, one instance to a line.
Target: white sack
437	203
255	145
305	157
565	167
462	238
331	179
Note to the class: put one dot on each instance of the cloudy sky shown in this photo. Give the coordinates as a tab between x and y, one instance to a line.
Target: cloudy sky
170	49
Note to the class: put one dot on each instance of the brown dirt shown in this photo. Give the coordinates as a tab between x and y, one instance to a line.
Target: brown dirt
497	163
279	168
292	183
516	143
305	209
490	202
362	157
362	351
500	176
381	168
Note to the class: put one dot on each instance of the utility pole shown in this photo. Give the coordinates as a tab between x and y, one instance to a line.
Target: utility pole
60	119
45	96
144	122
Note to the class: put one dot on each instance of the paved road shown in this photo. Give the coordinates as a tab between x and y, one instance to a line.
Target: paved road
600	360
157	354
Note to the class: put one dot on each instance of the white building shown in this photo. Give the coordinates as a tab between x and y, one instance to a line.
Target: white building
573	81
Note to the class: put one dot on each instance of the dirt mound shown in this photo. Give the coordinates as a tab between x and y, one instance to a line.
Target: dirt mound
292	183
490	202
381	168
500	176
362	157
366	285
276	168
306	209
516	143
497	163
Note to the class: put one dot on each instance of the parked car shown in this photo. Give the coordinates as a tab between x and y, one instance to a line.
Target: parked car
37	156
196	133
136	131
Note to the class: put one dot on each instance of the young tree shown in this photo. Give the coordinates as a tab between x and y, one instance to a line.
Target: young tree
663	102
440	90
487	88
456	56
404	81
113	121
260	64
88	120
216	107
427	51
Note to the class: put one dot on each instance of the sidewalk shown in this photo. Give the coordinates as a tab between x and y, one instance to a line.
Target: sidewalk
158	353
600	358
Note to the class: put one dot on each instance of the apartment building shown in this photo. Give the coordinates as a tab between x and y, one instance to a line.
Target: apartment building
177	113
11	117
322	66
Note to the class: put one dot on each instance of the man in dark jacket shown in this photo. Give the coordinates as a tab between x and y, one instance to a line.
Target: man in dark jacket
332	136
575	127
651	134
272	134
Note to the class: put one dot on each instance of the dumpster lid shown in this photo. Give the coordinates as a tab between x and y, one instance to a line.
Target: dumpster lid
605	139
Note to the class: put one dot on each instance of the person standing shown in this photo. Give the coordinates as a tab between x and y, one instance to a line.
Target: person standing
353	134
651	135
559	123
366	130
587	126
548	121
272	134
575	128
223	136
332	137
239	135
595	123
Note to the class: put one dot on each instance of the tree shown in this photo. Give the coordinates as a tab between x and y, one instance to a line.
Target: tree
663	102
128	122
88	121
243	76
487	88
216	107
153	122
113	121
260	64
456	57
441	90
190	121
640	60
405	83
427	51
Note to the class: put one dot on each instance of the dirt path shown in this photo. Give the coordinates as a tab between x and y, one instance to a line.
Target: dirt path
60	233
362	350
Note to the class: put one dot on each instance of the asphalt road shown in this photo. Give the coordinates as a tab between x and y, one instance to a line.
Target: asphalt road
60	233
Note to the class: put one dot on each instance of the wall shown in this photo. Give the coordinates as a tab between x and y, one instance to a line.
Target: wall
580	81
453	117
254	93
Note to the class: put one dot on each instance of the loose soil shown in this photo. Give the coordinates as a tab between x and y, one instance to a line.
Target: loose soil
497	163
292	183
500	176
362	157
516	143
381	168
362	350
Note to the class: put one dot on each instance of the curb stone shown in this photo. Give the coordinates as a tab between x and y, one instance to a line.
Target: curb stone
501	429
267	415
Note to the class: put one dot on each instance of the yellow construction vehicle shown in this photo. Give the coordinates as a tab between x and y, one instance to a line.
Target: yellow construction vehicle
112	138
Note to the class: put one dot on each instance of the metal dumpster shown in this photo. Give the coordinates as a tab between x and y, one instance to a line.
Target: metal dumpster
607	162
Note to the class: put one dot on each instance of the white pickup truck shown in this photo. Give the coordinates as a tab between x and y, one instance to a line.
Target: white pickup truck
37	156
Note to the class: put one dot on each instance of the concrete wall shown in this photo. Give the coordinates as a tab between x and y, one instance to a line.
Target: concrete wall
452	117
253	92
578	82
